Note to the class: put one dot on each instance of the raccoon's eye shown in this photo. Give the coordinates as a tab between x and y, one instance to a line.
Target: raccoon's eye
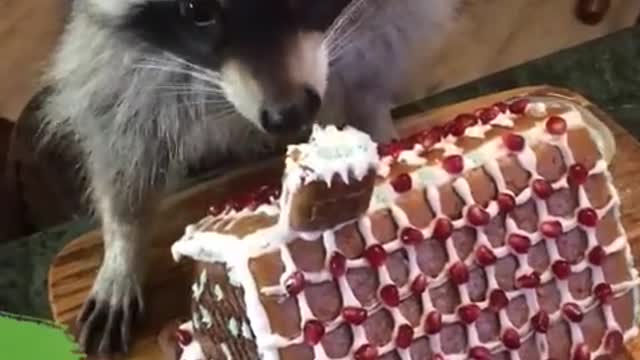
200	12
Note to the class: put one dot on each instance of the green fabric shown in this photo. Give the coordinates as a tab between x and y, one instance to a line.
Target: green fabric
607	71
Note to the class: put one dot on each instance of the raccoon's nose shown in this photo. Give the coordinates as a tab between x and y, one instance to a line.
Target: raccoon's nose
292	117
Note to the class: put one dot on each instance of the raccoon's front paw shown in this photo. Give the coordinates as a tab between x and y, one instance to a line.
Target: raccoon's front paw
106	319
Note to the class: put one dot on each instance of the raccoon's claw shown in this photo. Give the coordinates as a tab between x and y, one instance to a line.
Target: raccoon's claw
107	317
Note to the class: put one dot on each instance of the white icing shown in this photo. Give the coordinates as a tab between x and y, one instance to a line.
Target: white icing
235	253
217	291
233	327
225	350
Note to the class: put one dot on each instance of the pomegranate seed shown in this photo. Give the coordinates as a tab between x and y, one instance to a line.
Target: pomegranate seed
313	332
572	312
542	188
614	341
511	339
419	284
485	256
498	300
437	357
453	164
530	281
390	295
376	255
354	315
597	255
366	352
479	353
459	273
489	114
402	183
551	229
603	292
392	149
519	106
411	236
506	203
338	265
477	216
433	323
540	322
405	336
520	244
582	352
561	269
469	313
433	136
588	217
462	122
184	337
513	142
577	175
556	125
215	210
502	106
295	283
442	229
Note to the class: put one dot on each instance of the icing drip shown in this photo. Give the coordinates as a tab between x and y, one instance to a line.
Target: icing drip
215	247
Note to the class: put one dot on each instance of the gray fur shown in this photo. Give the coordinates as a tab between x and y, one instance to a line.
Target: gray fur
138	113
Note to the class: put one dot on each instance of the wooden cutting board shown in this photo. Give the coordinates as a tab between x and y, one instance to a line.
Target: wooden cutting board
167	293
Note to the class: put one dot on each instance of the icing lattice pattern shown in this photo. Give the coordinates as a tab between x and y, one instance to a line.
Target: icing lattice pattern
433	324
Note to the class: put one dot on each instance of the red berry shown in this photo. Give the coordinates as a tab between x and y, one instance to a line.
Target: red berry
588	217
477	216
295	283
502	106
433	136
469	313
453	164
519	106
603	292
313	332
597	255
366	352
556	125
433	323
489	114
419	284
392	149
614	341
572	312
411	236
551	229
462	122
498	300
354	315
376	255
511	339
561	269
485	256
530	281
442	229
184	337
405	336
542	188
402	183
437	357
582	352
459	273
390	295
479	353
215	210
577	175
513	142
519	243
338	265
506	202
540	322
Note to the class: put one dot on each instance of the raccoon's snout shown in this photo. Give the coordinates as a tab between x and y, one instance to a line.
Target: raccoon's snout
291	117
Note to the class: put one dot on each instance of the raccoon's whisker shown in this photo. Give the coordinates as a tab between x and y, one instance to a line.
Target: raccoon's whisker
178	70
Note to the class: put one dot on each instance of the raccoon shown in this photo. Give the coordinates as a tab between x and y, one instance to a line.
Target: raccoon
149	87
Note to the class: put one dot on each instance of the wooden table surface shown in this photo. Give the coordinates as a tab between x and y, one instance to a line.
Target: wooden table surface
73	271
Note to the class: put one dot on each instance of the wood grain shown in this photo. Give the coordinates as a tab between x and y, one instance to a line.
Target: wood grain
75	267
